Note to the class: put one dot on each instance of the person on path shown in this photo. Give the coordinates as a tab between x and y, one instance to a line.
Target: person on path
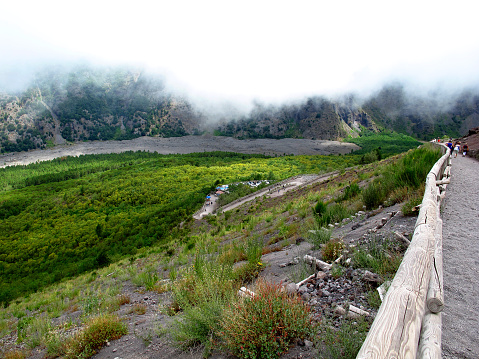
465	149
449	145
457	148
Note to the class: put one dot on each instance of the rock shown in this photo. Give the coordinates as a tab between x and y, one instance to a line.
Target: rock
353	315
308	344
291	288
303	289
384	221
306	296
355	226
371	277
339	310
325	293
321	275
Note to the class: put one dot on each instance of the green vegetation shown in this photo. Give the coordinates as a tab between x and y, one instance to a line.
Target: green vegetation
70	215
344	342
203	264
378	257
265	325
99	330
375	146
212	315
401	179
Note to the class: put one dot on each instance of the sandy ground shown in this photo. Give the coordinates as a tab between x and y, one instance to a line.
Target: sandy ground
461	261
181	145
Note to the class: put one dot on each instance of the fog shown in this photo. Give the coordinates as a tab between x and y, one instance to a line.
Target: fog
235	53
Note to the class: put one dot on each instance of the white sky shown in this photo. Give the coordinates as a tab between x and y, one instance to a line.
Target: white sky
239	50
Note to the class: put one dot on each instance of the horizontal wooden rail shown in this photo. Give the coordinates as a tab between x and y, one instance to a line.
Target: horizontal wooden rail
396	330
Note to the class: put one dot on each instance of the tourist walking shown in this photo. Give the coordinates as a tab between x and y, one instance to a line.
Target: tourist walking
457	148
465	149
449	145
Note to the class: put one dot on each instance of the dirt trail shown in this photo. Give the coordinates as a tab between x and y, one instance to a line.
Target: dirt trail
460	338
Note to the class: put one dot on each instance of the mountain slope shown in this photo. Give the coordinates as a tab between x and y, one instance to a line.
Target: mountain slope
113	104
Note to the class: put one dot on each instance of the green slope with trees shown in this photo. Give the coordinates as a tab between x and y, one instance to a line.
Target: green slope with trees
70	215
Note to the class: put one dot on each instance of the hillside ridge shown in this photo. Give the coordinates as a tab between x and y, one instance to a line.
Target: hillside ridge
96	104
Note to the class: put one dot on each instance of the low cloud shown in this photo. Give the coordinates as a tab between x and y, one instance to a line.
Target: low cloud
233	54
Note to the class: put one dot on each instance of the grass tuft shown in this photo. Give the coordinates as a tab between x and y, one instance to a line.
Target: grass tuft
98	331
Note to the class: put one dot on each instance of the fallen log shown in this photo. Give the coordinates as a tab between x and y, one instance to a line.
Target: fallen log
305	280
402	238
246	293
358	311
319	263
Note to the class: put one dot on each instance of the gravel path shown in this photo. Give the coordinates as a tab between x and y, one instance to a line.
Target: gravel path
460	338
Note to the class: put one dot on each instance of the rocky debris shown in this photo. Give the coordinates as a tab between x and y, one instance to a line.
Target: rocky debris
329	296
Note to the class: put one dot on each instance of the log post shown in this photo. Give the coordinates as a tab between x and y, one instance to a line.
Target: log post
431	335
435	294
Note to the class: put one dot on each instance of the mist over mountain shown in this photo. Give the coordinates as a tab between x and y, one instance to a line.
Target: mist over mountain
98	103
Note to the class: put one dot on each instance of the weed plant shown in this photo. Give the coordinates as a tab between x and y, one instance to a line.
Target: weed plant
332	249
413	200
349	192
377	257
301	271
265	325
202	293
345	342
98	331
319	236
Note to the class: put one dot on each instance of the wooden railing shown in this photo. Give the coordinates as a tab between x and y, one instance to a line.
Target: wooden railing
408	323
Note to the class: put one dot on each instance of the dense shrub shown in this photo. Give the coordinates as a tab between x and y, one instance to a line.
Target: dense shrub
408	173
373	195
265	325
